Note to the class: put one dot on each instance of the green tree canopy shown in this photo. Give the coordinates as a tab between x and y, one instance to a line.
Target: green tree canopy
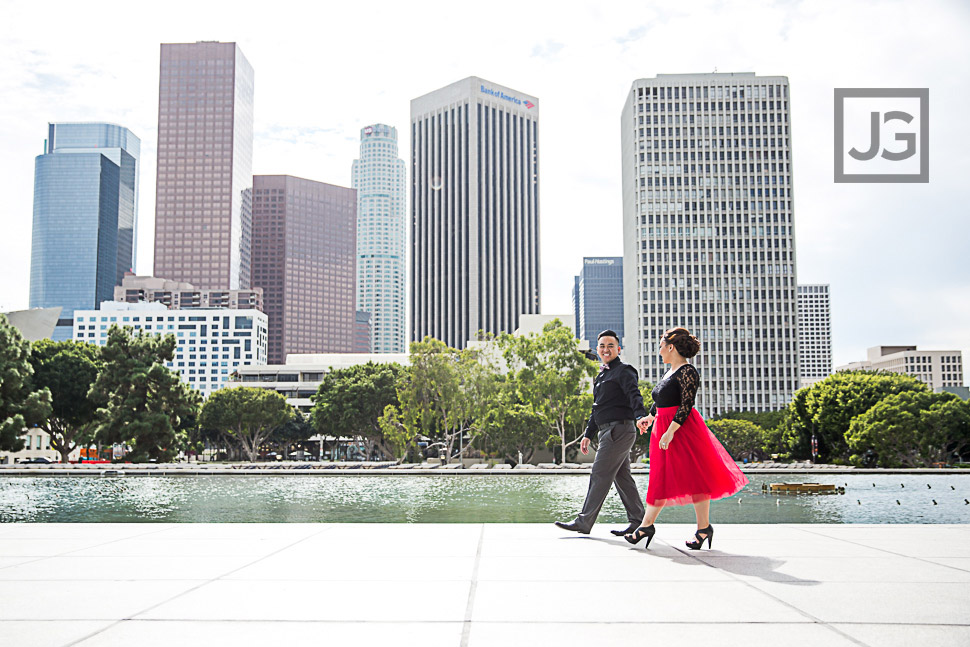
512	428
445	396
912	429
245	415
20	405
351	401
828	407
67	369
641	445
552	378
742	439
146	404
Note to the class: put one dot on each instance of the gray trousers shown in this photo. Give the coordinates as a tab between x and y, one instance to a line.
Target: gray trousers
612	465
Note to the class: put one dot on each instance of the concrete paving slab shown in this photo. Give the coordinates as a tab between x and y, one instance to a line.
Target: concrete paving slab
162	633
301	600
49	633
905	635
692	633
474	584
84	600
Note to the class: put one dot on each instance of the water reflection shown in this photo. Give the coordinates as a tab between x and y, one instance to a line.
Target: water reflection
457	498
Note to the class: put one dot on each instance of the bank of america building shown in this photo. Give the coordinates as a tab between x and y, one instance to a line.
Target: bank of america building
709	233
474	210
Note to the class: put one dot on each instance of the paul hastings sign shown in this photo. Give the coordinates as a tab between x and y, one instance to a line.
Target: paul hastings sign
882	135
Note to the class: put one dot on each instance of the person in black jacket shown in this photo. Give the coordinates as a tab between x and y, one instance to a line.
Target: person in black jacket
617	406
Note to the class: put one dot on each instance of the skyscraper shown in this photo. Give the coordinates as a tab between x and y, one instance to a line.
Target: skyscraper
85	215
203	207
708	232
814	334
474	210
599	298
379	177
304	258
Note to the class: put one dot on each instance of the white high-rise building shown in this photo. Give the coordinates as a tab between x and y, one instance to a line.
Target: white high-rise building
708	233
379	177
814	334
474	210
211	343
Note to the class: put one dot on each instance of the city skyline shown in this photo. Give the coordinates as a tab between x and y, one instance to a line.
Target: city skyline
850	236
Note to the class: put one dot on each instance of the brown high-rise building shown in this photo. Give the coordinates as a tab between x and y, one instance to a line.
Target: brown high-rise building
305	259
203	206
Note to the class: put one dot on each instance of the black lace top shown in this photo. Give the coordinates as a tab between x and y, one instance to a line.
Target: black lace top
677	390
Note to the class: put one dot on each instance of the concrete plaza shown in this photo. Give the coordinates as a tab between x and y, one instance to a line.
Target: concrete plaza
474	584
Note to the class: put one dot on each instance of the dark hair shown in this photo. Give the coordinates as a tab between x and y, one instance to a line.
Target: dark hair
608	333
686	344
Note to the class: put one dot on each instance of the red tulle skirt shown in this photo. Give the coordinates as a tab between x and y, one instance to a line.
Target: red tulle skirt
694	463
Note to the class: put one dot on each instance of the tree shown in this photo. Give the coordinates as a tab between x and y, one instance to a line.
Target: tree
351	401
146	404
764	419
245	415
742	439
20	406
641	445
912	429
551	376
67	369
826	409
513	428
296	429
445	395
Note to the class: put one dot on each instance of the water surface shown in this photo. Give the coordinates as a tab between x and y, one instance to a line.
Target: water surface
448	498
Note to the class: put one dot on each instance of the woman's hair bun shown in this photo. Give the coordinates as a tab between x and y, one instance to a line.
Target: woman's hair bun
686	344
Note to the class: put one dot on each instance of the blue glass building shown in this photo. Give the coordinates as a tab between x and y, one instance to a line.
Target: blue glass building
85	215
598	298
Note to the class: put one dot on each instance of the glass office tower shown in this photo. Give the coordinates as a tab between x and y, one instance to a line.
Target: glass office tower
85	217
204	190
598	299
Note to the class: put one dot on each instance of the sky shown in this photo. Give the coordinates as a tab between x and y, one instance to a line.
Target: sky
895	255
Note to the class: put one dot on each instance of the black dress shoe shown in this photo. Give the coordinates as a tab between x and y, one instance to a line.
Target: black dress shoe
571	526
626	531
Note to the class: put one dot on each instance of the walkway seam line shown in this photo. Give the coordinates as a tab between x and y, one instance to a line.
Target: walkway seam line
466	627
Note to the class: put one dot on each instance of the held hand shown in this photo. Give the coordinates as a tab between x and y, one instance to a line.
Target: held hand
584	445
667	438
644	424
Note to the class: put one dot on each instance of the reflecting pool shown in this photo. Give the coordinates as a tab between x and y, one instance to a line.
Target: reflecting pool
438	498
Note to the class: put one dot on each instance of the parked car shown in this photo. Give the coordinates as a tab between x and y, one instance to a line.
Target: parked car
37	459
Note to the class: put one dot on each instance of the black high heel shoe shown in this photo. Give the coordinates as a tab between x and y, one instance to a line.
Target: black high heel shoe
708	536
641	532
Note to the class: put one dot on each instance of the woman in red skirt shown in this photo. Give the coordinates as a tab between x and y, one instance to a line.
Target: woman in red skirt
687	463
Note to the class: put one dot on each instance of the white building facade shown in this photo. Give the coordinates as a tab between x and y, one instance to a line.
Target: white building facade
474	211
380	177
938	369
708	233
299	379
211	344
814	334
